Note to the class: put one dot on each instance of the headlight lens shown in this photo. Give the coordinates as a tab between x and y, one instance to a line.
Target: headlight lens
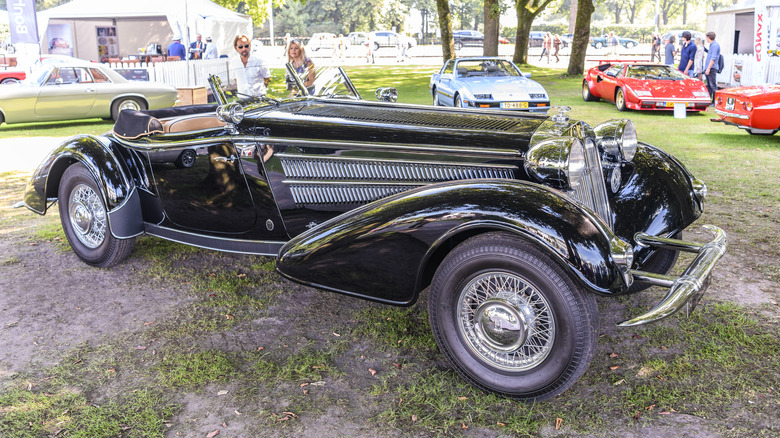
617	139
231	113
643	93
557	162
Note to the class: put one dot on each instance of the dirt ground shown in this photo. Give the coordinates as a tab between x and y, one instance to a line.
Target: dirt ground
51	304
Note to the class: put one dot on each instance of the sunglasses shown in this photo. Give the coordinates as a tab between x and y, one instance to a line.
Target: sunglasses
241	47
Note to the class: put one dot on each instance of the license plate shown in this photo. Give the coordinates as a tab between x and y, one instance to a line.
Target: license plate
730	104
514	105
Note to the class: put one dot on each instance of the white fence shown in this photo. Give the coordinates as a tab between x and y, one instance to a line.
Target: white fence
180	74
738	70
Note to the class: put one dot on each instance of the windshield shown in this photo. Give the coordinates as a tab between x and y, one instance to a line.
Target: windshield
662	72
486	67
235	86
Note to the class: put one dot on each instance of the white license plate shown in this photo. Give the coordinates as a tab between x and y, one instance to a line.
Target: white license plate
514	105
730	101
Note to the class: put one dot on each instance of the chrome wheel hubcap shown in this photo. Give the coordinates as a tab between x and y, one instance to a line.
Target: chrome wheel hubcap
506	321
87	216
129	105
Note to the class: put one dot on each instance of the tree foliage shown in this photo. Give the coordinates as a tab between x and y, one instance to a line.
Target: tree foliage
527	11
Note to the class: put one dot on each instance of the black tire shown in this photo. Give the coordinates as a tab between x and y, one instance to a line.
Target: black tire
376	46
436	98
9	81
186	159
84	219
126	103
660	263
620	100
458	45
598	45
586	94
510	320
458	103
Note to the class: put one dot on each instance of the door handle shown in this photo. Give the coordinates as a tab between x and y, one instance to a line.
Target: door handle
229	159
89	90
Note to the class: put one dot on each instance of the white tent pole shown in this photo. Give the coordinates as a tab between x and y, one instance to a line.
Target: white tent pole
271	19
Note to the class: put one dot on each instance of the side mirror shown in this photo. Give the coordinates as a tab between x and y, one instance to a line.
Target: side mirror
388	94
59	81
527	75
611	74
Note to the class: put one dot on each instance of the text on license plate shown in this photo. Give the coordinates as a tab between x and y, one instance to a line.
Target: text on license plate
512	105
730	103
671	104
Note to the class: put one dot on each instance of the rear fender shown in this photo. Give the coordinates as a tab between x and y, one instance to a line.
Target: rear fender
119	195
387	250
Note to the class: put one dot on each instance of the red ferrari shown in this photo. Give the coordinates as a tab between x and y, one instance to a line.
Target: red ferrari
644	86
755	109
11	76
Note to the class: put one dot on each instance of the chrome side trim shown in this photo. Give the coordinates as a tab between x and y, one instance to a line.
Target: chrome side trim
733	115
686	289
225	244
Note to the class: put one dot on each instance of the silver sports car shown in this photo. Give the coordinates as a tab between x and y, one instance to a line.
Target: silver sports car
487	82
78	90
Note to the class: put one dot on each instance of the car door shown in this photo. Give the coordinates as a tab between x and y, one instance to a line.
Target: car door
203	186
68	91
446	86
607	81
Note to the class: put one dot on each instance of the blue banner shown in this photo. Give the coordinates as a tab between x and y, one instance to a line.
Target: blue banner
21	19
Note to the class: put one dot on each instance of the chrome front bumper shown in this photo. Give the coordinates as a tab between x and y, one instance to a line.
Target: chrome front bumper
685	290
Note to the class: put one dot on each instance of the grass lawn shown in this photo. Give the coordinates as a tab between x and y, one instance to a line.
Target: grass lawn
250	351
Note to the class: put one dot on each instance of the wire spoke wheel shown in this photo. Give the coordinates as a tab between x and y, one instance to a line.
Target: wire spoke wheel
87	216
506	321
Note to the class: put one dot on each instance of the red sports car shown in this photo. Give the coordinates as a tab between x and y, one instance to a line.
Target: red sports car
755	109
644	86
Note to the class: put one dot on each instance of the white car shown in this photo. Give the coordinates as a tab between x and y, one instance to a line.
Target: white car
388	38
322	40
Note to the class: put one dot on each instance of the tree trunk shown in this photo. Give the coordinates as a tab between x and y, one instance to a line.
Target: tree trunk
492	14
579	44
521	37
445	24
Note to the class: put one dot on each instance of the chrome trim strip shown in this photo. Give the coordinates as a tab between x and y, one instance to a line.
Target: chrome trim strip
371	160
171	234
686	289
391	147
734	115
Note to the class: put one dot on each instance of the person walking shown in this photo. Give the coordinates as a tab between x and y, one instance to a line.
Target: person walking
557	46
613	42
711	66
655	46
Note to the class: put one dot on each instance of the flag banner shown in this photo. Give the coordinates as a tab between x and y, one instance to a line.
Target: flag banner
21	19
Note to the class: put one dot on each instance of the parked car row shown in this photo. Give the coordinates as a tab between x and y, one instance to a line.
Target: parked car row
379	39
598	42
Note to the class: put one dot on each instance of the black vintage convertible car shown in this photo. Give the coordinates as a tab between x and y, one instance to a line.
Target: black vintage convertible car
514	221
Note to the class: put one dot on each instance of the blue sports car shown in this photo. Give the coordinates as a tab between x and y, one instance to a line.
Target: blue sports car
487	82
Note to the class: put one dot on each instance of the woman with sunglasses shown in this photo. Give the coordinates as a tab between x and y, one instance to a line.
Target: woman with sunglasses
252	75
296	55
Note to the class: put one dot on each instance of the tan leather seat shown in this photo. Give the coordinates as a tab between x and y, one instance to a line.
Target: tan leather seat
192	123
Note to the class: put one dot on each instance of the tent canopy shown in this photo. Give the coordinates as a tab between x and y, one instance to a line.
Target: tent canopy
186	18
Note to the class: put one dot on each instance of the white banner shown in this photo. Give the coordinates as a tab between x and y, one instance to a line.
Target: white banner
21	19
760	40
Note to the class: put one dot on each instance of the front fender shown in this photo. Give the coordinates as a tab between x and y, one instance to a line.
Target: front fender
119	194
384	251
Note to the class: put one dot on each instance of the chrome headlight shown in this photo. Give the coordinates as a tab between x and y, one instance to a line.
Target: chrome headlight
623	256
231	113
557	162
617	139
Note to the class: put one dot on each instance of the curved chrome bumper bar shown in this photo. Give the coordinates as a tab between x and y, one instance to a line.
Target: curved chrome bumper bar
734	115
685	290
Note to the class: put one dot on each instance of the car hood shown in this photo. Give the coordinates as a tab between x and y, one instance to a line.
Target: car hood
503	87
672	89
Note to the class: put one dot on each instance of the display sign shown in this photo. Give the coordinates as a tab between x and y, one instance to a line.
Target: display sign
108	45
21	19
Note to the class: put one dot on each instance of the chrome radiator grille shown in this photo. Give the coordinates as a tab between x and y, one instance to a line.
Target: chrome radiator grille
329	180
593	190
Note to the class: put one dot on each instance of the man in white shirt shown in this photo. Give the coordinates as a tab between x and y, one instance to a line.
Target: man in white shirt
211	50
252	75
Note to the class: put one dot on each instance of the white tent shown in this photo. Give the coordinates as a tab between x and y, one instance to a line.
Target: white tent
128	26
734	28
